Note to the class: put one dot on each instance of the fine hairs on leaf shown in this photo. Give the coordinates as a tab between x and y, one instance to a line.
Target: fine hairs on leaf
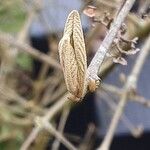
73	57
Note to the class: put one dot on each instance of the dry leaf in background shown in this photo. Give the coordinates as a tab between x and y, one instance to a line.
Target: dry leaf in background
90	11
73	56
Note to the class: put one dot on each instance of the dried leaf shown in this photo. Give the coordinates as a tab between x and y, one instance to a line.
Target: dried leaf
73	56
132	51
90	11
135	40
120	60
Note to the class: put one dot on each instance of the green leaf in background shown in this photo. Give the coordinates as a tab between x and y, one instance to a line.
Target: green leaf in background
24	61
12	15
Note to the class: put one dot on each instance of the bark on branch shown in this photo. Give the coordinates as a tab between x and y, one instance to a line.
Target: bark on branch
104	47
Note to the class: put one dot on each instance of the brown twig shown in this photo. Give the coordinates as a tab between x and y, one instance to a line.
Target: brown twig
136	131
93	67
28	49
61	126
58	135
52	111
104	47
89	138
129	86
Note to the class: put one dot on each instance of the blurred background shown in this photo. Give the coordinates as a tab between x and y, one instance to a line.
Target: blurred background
32	82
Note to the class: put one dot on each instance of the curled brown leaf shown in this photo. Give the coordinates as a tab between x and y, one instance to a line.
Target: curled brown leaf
73	56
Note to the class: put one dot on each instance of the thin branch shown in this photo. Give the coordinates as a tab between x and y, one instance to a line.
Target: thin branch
61	126
94	65
51	112
8	136
111	88
11	95
28	49
136	131
31	138
108	138
128	87
58	135
142	101
104	47
22	35
133	97
89	138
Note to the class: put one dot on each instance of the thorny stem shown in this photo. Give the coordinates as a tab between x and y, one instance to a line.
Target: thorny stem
127	87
